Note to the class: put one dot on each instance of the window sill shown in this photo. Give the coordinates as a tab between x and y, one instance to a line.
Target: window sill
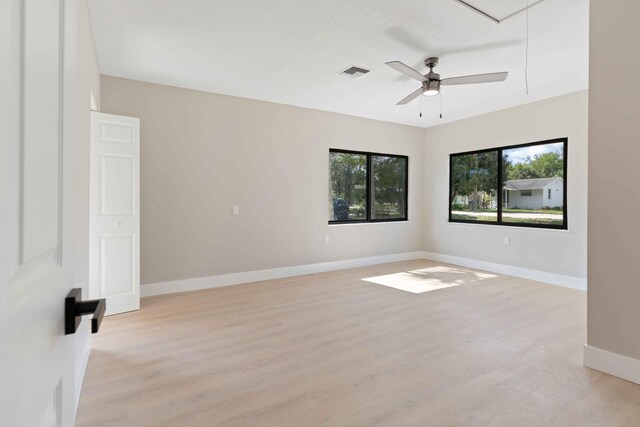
510	227
348	224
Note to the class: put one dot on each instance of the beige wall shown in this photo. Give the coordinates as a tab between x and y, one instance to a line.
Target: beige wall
201	153
614	175
553	251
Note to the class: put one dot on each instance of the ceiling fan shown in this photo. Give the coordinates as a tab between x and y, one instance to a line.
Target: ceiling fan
431	81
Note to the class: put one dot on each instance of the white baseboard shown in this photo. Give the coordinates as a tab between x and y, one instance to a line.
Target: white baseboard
509	270
614	364
198	283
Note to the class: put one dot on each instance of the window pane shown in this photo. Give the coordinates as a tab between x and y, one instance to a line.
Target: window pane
389	187
474	179
347	186
533	187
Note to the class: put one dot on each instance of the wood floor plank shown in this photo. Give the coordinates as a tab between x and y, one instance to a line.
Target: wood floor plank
345	348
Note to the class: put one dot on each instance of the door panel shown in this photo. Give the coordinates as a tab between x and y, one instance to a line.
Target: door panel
114	269
117	261
119	133
41	126
117	184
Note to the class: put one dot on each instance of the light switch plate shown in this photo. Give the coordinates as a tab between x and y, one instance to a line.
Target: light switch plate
235	210
507	240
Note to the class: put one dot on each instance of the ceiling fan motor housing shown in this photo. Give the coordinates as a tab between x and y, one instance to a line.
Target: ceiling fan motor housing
431	87
432	76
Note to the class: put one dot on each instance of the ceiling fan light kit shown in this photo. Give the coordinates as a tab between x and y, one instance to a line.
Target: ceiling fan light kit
431	88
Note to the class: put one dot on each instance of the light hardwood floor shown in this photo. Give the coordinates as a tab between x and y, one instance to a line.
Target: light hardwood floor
460	348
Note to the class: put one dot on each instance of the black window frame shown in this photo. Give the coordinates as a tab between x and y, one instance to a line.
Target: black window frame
369	188
499	152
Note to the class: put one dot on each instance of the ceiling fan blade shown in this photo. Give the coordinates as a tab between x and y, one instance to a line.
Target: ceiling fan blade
405	69
413	95
476	78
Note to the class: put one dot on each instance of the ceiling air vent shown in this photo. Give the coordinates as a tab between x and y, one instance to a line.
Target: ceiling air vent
354	72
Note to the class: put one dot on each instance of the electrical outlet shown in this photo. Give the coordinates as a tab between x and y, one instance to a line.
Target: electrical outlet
507	240
235	210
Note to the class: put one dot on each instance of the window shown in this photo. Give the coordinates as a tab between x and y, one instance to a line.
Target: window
474	186
367	187
506	185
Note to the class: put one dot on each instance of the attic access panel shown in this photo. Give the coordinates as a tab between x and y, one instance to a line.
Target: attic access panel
499	10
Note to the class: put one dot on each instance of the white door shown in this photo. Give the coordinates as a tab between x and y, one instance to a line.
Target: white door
114	268
37	261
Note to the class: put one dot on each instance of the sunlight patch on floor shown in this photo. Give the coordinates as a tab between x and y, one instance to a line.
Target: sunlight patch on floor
429	279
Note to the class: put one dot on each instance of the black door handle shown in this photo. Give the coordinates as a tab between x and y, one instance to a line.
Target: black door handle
75	308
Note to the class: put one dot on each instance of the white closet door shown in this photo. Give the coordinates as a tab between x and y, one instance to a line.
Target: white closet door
115	211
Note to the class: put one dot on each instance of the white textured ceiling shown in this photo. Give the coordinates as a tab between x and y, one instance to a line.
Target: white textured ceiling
289	51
